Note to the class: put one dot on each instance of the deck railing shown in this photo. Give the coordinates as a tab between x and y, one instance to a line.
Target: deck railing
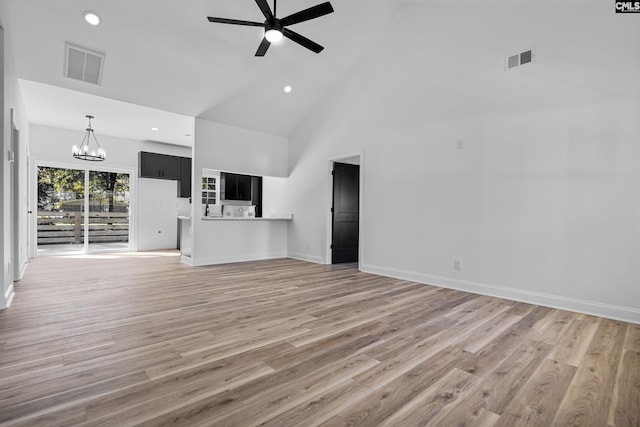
68	227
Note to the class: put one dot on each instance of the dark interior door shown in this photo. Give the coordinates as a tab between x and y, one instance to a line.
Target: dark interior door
346	213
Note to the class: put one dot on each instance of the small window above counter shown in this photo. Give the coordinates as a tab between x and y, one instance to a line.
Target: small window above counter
210	194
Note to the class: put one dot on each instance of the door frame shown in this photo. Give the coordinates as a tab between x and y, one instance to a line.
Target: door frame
133	242
353	158
15	219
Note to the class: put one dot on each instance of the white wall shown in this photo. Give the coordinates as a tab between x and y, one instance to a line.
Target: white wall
274	195
158	226
11	99
230	149
541	205
152	200
6	292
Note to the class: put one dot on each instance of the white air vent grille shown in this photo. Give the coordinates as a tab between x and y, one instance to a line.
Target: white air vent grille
519	59
83	64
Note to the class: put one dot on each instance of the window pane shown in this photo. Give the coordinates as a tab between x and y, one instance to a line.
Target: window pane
109	209
60	210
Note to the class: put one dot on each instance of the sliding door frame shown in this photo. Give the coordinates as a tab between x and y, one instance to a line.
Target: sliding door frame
86	168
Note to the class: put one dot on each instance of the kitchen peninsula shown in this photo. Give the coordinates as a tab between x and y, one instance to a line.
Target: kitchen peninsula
230	215
220	148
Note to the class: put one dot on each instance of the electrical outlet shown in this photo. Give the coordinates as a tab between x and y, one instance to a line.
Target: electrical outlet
460	144
457	264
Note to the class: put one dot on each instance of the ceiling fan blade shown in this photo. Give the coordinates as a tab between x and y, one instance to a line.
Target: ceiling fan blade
302	40
262	49
311	13
235	22
266	10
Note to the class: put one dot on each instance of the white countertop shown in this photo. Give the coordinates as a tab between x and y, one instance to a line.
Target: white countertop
277	218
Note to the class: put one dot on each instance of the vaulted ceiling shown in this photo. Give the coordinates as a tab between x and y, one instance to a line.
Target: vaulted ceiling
166	64
168	57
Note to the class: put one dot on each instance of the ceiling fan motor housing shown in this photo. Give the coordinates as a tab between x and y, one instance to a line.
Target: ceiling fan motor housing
273	24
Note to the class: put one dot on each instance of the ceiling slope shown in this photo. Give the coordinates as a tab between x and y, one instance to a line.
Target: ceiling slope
166	56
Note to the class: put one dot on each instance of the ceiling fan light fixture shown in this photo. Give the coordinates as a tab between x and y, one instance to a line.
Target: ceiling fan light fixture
273	35
275	29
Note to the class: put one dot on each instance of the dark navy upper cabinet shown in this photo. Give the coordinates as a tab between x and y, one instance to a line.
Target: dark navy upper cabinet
184	185
159	166
164	166
237	187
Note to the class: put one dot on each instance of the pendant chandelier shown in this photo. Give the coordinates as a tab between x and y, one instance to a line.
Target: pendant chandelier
84	152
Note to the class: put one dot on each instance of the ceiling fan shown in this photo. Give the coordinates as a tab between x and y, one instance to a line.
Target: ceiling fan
275	28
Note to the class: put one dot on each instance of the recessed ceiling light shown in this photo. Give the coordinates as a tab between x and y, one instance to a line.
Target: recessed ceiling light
287	89
91	18
155	129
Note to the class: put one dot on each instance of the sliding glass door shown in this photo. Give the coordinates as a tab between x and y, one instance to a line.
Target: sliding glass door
108	210
61	194
66	195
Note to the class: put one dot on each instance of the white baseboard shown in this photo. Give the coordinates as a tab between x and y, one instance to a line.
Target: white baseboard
626	314
187	260
305	257
23	269
8	296
199	262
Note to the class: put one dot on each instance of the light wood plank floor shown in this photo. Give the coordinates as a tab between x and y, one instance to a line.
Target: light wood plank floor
141	339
